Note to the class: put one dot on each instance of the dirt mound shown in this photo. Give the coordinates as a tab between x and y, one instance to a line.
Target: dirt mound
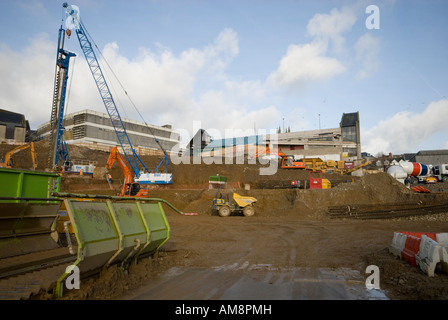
402	279
190	189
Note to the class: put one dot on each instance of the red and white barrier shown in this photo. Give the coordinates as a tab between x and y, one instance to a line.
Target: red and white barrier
430	254
398	243
425	249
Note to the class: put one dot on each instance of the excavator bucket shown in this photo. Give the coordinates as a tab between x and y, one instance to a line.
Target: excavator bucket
243	201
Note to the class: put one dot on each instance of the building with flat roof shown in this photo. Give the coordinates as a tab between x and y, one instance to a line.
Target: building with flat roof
14	128
341	143
94	130
431	157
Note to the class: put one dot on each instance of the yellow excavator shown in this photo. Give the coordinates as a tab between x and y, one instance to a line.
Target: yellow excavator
8	162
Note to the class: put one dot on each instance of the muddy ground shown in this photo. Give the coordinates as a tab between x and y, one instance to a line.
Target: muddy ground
291	227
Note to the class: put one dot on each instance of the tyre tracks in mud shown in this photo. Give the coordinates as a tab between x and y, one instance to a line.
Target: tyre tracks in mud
215	241
270	258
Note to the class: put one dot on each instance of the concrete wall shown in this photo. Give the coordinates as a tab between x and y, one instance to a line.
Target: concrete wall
2	132
19	134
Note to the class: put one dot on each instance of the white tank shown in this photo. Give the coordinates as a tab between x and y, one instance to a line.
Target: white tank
407	166
398	172
415	168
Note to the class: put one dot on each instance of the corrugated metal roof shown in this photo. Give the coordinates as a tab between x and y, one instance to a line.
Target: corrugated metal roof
432	152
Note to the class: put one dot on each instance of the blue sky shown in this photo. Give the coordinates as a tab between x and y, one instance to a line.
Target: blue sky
227	65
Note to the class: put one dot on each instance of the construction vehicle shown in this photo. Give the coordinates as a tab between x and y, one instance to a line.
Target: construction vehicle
287	162
316	164
130	188
431	179
73	21
357	167
8	162
441	172
226	205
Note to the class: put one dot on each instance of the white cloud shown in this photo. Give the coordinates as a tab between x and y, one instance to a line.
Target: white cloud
311	61
406	131
330	27
303	63
367	49
163	85
26	84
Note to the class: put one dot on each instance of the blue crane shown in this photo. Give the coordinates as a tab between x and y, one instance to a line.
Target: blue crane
58	148
103	88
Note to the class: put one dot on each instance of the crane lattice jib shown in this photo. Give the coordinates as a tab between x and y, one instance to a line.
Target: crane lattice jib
109	103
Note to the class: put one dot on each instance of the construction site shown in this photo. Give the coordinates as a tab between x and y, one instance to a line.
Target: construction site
321	234
128	224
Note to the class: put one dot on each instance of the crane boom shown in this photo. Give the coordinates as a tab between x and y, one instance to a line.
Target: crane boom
106	95
73	21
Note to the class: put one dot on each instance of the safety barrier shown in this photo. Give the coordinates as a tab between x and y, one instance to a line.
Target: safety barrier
442	239
430	254
398	243
425	249
431	235
114	233
411	248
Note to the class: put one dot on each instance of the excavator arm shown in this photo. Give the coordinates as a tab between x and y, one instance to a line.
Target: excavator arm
268	151
115	156
8	161
130	188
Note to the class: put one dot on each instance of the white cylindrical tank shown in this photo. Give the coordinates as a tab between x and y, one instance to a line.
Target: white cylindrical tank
414	168
398	172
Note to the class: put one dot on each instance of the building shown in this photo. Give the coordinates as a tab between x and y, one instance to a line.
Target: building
94	130
341	143
431	157
200	140
235	146
14	128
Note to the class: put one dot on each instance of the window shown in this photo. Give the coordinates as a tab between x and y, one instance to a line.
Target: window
349	134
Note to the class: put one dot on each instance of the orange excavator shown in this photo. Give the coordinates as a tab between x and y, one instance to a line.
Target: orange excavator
287	162
130	188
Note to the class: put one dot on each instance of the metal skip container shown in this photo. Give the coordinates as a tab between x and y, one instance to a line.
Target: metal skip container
114	232
27	211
